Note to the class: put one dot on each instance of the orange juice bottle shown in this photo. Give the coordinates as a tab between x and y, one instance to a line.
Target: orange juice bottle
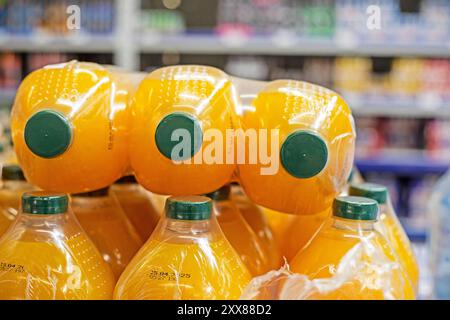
239	233
137	205
311	129
13	185
69	125
350	259
101	216
178	113
186	257
255	218
300	231
46	255
279	223
390	227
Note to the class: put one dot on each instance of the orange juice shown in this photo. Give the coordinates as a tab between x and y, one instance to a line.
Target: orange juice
46	255
174	107
300	231
13	185
390	227
351	259
315	141
137	205
279	223
186	257
239	233
255	218
70	127
104	221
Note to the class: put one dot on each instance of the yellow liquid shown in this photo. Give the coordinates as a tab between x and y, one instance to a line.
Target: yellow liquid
206	94
391	229
71	269
242	237
138	208
165	270
279	224
108	227
300	231
322	258
255	218
288	106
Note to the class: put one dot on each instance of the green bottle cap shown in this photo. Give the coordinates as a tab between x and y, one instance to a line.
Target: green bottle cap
220	194
103	192
188	208
373	191
164	135
48	134
304	154
12	172
40	202
355	208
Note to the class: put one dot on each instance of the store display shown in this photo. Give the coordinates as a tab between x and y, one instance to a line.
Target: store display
46	255
187	257
101	216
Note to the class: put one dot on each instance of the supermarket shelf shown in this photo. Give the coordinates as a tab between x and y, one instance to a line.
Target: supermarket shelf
280	44
403	165
43	43
391	108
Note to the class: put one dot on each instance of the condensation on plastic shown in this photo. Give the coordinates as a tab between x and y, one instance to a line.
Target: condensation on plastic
49	257
204	93
184	260
109	228
288	106
94	100
344	261
10	195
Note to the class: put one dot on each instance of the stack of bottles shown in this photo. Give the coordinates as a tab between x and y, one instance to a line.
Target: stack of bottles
122	144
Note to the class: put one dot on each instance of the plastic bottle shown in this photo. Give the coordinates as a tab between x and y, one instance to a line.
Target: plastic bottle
349	259
101	216
46	254
176	106
439	240
186	257
13	185
70	127
255	218
390	227
237	231
279	223
137	205
315	144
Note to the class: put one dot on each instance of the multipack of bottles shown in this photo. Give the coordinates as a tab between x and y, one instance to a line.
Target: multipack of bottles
186	183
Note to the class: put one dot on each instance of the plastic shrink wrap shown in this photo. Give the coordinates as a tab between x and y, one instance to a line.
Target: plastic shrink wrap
186	257
347	259
390	227
70	126
46	255
104	221
180	116
12	186
137	205
306	153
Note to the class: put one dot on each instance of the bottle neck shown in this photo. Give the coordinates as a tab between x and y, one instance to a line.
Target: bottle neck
188	226
353	225
42	220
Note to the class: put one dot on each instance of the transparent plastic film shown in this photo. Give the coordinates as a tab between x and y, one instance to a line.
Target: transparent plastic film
186	257
180	117
46	255
305	138
104	221
70	126
347	259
